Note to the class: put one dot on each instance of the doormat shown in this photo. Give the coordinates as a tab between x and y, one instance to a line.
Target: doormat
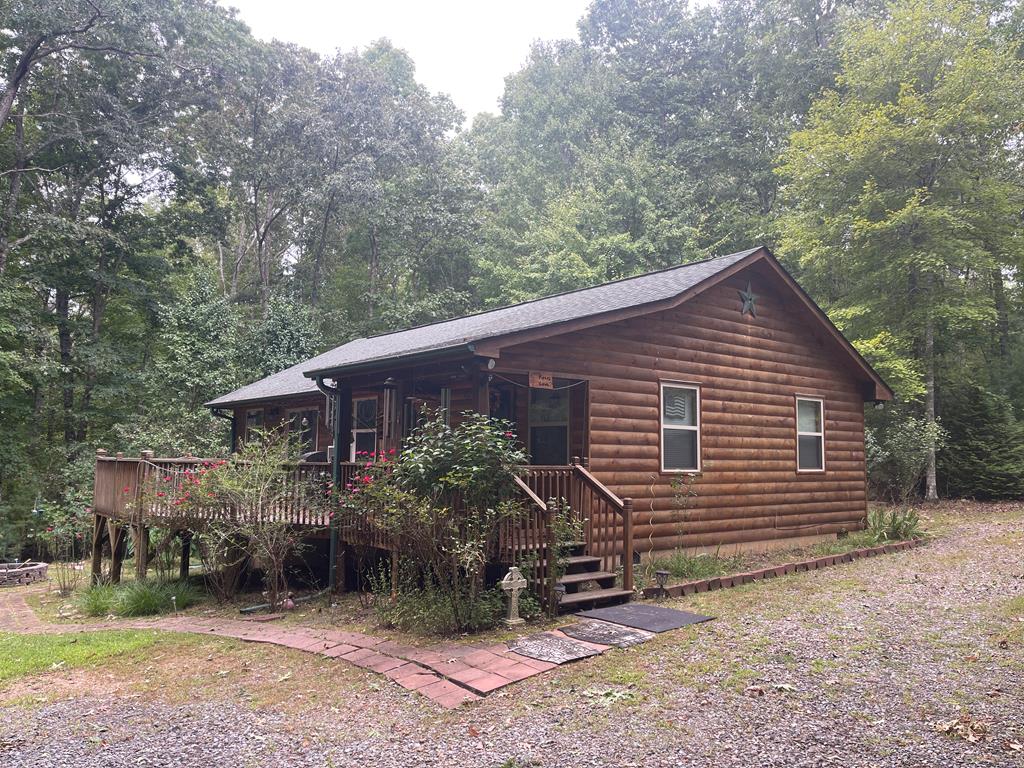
652	618
604	633
550	648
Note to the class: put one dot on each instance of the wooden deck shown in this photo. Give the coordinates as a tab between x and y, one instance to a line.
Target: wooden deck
140	492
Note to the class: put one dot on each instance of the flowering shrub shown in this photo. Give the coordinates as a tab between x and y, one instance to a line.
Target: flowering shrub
443	500
249	490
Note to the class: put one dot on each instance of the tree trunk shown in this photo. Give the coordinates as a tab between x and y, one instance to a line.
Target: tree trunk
371	295
63	301
1002	314
14	189
931	490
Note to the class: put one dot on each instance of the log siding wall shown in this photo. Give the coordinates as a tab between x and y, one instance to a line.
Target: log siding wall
750	370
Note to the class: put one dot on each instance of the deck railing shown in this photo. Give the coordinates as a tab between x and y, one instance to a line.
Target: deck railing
605	520
144	490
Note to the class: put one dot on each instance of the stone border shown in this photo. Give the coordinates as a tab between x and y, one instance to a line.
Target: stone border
773	571
18	574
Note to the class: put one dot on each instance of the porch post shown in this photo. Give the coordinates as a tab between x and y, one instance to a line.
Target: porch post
394	407
342	446
483	393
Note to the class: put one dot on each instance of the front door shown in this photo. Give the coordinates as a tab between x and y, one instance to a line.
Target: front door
549	426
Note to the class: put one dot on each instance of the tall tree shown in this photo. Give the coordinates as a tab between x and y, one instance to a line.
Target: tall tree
904	192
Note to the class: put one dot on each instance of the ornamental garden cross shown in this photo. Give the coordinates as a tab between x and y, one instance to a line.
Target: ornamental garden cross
513	584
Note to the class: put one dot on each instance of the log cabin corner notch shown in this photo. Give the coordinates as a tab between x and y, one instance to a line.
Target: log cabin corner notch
584	374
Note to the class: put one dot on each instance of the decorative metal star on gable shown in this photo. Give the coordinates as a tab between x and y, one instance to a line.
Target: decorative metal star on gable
749	299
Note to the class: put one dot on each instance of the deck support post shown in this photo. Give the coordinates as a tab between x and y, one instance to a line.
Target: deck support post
141	533
98	529
118	537
186	555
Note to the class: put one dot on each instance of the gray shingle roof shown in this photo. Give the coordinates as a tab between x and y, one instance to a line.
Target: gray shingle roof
451	334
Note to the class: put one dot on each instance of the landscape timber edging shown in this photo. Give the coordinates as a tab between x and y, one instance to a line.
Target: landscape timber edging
773	571
19	574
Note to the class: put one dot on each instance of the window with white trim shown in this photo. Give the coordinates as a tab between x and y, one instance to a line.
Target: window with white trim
680	428
364	427
810	435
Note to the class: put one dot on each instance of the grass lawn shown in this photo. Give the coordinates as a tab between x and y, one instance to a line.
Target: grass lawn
22	655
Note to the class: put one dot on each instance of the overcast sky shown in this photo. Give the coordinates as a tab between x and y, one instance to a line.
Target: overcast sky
461	47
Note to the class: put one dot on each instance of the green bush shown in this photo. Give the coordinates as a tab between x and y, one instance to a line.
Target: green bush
893	525
98	600
445	497
146	598
896	446
137	598
427	610
984	458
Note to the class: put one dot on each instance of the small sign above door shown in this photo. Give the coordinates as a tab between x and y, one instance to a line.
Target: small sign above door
541	380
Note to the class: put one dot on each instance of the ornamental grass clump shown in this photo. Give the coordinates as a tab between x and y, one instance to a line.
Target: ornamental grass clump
137	598
97	600
895	524
148	598
443	500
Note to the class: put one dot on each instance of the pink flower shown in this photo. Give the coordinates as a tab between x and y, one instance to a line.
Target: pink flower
509	434
160	494
126	489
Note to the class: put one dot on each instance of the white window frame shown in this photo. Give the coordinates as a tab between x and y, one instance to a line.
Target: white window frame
352	448
662	426
799	433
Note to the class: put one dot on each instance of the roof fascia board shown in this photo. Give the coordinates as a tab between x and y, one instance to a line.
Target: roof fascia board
462	350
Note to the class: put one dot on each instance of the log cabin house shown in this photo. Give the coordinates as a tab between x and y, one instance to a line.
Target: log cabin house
708	405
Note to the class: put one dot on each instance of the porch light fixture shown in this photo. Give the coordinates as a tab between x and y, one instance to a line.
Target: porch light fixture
661	576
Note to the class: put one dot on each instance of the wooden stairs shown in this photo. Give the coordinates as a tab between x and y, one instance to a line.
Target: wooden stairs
586	585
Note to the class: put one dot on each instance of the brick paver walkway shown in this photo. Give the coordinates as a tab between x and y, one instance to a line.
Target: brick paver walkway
449	675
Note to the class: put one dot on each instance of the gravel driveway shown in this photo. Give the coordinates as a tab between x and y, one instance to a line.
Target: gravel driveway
862	664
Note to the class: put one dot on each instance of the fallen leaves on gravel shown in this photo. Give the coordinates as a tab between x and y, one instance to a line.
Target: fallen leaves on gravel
964	727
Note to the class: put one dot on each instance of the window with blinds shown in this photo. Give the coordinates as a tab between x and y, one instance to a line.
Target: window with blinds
680	428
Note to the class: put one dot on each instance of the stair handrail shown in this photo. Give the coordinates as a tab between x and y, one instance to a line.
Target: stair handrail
527	491
624	507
